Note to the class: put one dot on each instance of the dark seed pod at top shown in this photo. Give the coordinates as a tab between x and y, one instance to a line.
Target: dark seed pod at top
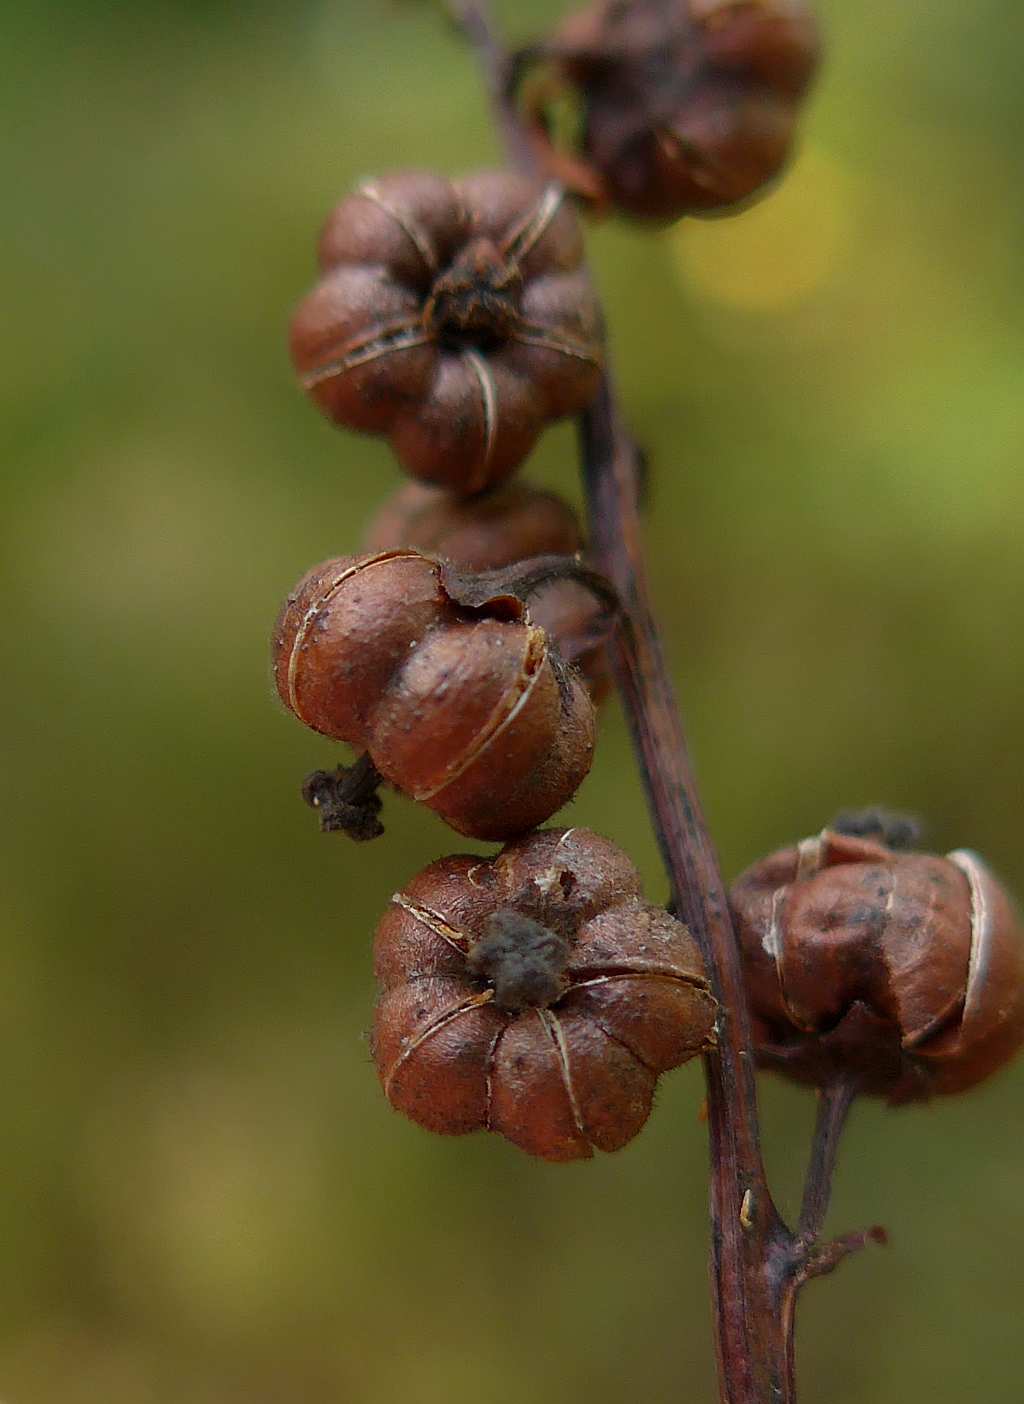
903	970
537	995
455	317
497	528
469	711
688	105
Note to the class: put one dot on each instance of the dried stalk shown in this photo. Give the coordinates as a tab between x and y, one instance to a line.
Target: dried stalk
745	1224
757	1264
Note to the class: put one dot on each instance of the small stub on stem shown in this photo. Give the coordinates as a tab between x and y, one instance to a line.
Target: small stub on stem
823	1258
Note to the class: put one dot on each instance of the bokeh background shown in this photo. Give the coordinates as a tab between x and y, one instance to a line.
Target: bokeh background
203	1197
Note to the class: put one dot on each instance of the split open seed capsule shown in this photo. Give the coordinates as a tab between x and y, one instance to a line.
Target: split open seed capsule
903	970
470	711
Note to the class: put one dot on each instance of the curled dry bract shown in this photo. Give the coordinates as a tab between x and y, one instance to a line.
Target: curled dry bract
509	523
537	995
469	711
904	969
455	317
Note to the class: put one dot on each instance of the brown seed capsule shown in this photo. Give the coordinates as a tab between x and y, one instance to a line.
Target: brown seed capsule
508	524
470	712
689	105
903	969
453	316
537	995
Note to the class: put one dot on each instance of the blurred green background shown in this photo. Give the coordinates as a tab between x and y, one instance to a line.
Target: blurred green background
203	1197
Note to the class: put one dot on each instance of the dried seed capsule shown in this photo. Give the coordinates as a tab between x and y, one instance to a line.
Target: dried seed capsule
452	316
474	714
536	994
508	524
689	105
904	969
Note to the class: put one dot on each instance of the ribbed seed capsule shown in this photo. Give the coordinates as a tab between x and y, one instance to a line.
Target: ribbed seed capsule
453	316
689	105
497	528
472	714
537	995
903	969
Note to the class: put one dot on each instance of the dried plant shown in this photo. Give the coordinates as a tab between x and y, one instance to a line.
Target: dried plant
536	993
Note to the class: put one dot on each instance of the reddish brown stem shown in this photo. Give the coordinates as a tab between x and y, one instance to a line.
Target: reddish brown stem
474	21
757	1264
745	1226
346	799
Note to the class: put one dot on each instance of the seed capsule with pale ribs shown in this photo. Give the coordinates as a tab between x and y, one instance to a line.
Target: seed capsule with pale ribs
470	711
903	970
688	105
455	317
537	995
509	523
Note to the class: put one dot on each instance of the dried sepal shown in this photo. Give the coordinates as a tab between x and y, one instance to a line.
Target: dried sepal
536	994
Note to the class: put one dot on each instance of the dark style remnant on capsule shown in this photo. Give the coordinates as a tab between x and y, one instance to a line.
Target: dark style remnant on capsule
509	523
902	970
883	825
455	317
536	994
522	961
470	711
688	105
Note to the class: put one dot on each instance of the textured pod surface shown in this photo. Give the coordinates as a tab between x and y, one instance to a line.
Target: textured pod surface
473	715
689	105
497	528
905	968
344	631
536	994
452	316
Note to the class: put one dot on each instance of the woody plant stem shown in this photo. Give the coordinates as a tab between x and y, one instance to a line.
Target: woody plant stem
757	1264
744	1222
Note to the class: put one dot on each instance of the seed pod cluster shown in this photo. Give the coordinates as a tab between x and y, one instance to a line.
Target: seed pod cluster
453	316
537	995
689	105
903	969
498	528
469	711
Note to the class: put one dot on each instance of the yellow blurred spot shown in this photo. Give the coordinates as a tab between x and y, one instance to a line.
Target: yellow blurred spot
778	253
